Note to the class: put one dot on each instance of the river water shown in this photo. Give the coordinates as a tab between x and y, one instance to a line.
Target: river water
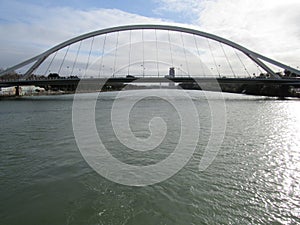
254	179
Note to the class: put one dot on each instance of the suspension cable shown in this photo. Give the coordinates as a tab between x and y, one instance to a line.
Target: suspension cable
63	60
157	64
227	59
186	62
115	60
199	54
170	48
213	57
47	70
129	52
88	60
101	62
241	62
143	66
76	57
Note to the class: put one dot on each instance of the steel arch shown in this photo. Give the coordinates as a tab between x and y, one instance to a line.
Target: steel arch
256	57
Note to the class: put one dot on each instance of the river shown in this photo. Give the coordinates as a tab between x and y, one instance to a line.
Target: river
254	178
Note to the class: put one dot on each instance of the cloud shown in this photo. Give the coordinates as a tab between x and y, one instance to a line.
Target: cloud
182	11
25	35
187	7
270	27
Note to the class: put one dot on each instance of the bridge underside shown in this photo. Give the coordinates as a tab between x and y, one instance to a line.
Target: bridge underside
250	86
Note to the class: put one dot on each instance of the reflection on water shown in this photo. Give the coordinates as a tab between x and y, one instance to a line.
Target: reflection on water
282	161
255	178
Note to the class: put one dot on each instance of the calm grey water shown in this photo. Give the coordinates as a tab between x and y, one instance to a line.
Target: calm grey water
255	178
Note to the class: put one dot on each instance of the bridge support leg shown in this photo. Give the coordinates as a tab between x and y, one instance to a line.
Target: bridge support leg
17	90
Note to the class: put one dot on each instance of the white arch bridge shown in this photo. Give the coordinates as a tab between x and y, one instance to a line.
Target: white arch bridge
126	53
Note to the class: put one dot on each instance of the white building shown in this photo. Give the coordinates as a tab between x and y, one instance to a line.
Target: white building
23	90
7	91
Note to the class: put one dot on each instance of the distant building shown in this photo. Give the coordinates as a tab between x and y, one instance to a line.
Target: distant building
7	91
23	90
171	75
30	90
172	72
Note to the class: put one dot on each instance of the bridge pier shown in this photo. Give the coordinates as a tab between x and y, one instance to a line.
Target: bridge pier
17	90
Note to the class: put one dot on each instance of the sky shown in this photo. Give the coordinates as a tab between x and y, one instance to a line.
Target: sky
269	27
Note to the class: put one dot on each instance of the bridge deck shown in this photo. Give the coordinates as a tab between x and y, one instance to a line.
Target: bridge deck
101	81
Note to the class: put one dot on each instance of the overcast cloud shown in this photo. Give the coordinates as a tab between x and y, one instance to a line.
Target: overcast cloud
269	27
